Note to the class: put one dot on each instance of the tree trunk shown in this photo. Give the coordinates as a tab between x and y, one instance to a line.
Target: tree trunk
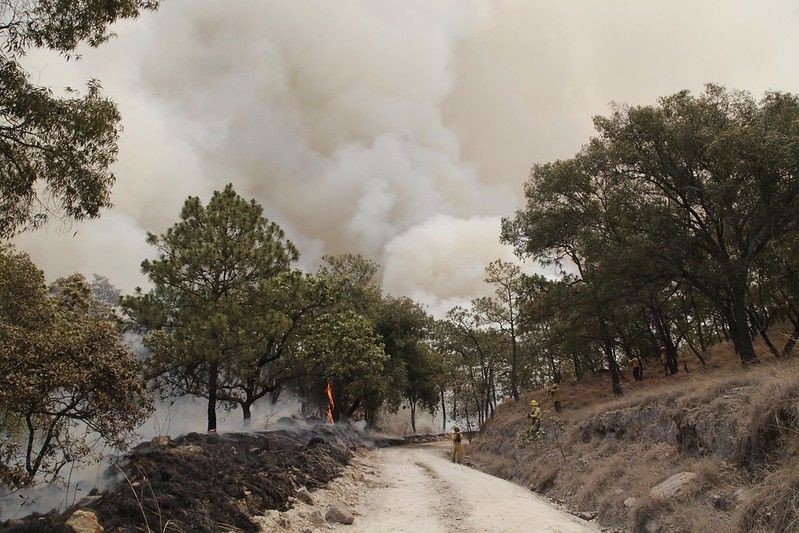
213	379
759	326
614	370
349	413
514	363
443	413
610	357
665	337
578	371
739	329
412	405
698	353
786	351
552	368
245	408
701	336
767	340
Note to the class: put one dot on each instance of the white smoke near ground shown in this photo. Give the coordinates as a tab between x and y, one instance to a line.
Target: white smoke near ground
385	127
400	129
171	417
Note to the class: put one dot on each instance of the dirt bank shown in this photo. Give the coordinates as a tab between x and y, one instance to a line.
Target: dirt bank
729	436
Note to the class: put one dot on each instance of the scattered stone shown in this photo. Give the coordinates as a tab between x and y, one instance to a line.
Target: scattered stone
618	492
652	526
316	518
586	515
188	449
677	485
630	503
161	440
339	516
307	530
264	523
283	521
304	496
84	522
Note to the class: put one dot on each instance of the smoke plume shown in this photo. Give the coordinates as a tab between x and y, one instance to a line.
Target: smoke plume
402	129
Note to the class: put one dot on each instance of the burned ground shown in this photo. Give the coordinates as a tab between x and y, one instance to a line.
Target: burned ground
213	482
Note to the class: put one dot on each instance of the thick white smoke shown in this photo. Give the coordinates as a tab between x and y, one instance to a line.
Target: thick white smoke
399	129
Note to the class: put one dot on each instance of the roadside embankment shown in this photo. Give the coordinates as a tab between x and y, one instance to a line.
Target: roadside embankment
209	482
706	451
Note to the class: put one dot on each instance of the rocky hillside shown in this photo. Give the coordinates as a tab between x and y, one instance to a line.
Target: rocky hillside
710	450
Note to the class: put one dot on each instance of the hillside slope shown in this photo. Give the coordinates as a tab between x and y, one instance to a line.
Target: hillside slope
733	433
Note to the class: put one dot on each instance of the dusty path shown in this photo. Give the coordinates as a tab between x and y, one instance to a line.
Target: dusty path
417	489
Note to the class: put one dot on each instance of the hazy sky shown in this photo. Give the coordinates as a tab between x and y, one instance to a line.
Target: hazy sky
399	129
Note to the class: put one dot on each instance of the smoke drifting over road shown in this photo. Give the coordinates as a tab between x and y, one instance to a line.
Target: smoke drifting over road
402	130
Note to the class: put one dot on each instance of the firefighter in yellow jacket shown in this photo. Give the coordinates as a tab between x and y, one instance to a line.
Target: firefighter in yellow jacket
635	366
534	416
554	393
457	445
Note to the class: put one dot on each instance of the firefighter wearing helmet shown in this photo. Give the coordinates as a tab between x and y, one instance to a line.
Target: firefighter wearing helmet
457	445
534	416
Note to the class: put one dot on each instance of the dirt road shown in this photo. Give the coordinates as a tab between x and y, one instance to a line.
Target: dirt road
417	489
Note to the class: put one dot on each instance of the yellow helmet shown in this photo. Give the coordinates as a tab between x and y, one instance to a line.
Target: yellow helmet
533	403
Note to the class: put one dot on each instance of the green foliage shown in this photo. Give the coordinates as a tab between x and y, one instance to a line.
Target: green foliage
347	354
285	311
66	376
662	222
55	152
502	310
414	369
355	277
475	356
212	274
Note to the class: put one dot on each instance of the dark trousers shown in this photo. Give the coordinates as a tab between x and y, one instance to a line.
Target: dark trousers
638	373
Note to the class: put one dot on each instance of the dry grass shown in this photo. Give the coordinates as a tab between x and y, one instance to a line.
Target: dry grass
774	504
757	406
694	517
542	477
498	465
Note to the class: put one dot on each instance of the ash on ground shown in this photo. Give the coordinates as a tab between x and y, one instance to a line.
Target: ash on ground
213	482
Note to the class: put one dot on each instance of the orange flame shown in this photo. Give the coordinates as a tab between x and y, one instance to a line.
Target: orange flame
330	403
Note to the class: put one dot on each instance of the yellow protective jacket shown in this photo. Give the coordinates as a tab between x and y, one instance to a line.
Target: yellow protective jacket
634	363
535	413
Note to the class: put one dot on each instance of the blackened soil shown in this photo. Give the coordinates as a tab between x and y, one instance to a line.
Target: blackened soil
212	482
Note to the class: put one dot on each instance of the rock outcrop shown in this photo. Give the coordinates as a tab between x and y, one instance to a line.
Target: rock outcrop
337	515
84	522
674	487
